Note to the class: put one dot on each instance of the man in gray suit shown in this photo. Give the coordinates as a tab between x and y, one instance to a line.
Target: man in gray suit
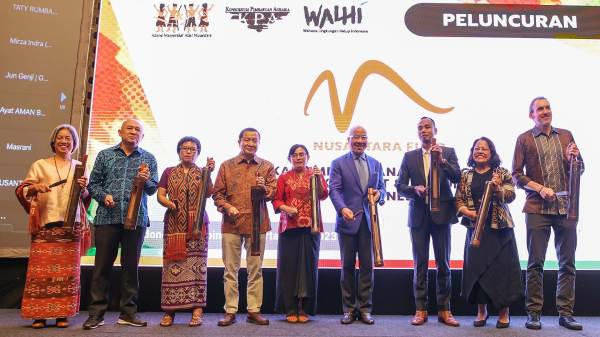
351	176
413	184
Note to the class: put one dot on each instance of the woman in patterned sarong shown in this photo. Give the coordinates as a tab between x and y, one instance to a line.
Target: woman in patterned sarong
52	284
185	250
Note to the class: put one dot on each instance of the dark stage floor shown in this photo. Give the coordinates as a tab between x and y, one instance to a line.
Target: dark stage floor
11	324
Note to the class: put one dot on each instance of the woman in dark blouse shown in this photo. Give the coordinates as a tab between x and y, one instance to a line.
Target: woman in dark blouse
297	247
491	272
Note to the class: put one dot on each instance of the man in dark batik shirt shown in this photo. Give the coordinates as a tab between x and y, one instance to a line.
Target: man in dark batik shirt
541	167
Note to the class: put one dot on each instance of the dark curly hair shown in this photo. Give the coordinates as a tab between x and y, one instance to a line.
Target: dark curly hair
495	160
189	139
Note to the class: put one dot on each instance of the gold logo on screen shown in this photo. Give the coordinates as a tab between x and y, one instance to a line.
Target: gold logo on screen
343	118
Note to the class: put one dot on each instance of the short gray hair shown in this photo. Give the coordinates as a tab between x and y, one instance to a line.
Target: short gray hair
354	128
533	102
73	135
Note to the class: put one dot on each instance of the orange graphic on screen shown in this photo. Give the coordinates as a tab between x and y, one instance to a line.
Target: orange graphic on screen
118	92
343	118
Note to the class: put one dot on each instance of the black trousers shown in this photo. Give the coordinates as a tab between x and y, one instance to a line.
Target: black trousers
539	227
108	238
354	299
420	237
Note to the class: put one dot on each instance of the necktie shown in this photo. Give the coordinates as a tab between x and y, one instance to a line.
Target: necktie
363	173
426	164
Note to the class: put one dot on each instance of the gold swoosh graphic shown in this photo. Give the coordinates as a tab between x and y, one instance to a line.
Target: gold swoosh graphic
343	119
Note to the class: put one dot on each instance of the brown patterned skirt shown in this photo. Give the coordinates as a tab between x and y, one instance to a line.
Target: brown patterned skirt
184	281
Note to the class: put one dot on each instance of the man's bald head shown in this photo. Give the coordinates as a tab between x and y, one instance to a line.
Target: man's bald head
131	132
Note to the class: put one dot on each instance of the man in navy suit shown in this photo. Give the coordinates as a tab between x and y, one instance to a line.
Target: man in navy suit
412	184
351	176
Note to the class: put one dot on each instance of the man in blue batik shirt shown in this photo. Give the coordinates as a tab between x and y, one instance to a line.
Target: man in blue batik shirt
114	173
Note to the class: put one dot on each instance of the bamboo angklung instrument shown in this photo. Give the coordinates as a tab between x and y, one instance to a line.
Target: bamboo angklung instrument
575	167
375	230
257	194
199	226
315	203
482	214
434	181
135	200
75	194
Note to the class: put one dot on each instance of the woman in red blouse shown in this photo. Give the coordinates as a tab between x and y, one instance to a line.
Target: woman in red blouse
297	247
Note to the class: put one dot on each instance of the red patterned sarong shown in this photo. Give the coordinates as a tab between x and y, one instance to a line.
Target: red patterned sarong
52	285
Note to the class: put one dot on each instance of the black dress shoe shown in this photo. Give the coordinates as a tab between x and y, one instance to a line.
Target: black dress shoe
366	318
570	323
348	318
502	325
533	321
480	323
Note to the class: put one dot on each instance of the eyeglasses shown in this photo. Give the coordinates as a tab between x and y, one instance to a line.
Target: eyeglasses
189	149
359	137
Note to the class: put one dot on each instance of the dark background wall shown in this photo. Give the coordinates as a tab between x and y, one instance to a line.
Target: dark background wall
392	294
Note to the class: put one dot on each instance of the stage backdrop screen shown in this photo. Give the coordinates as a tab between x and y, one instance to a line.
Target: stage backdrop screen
39	52
305	71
